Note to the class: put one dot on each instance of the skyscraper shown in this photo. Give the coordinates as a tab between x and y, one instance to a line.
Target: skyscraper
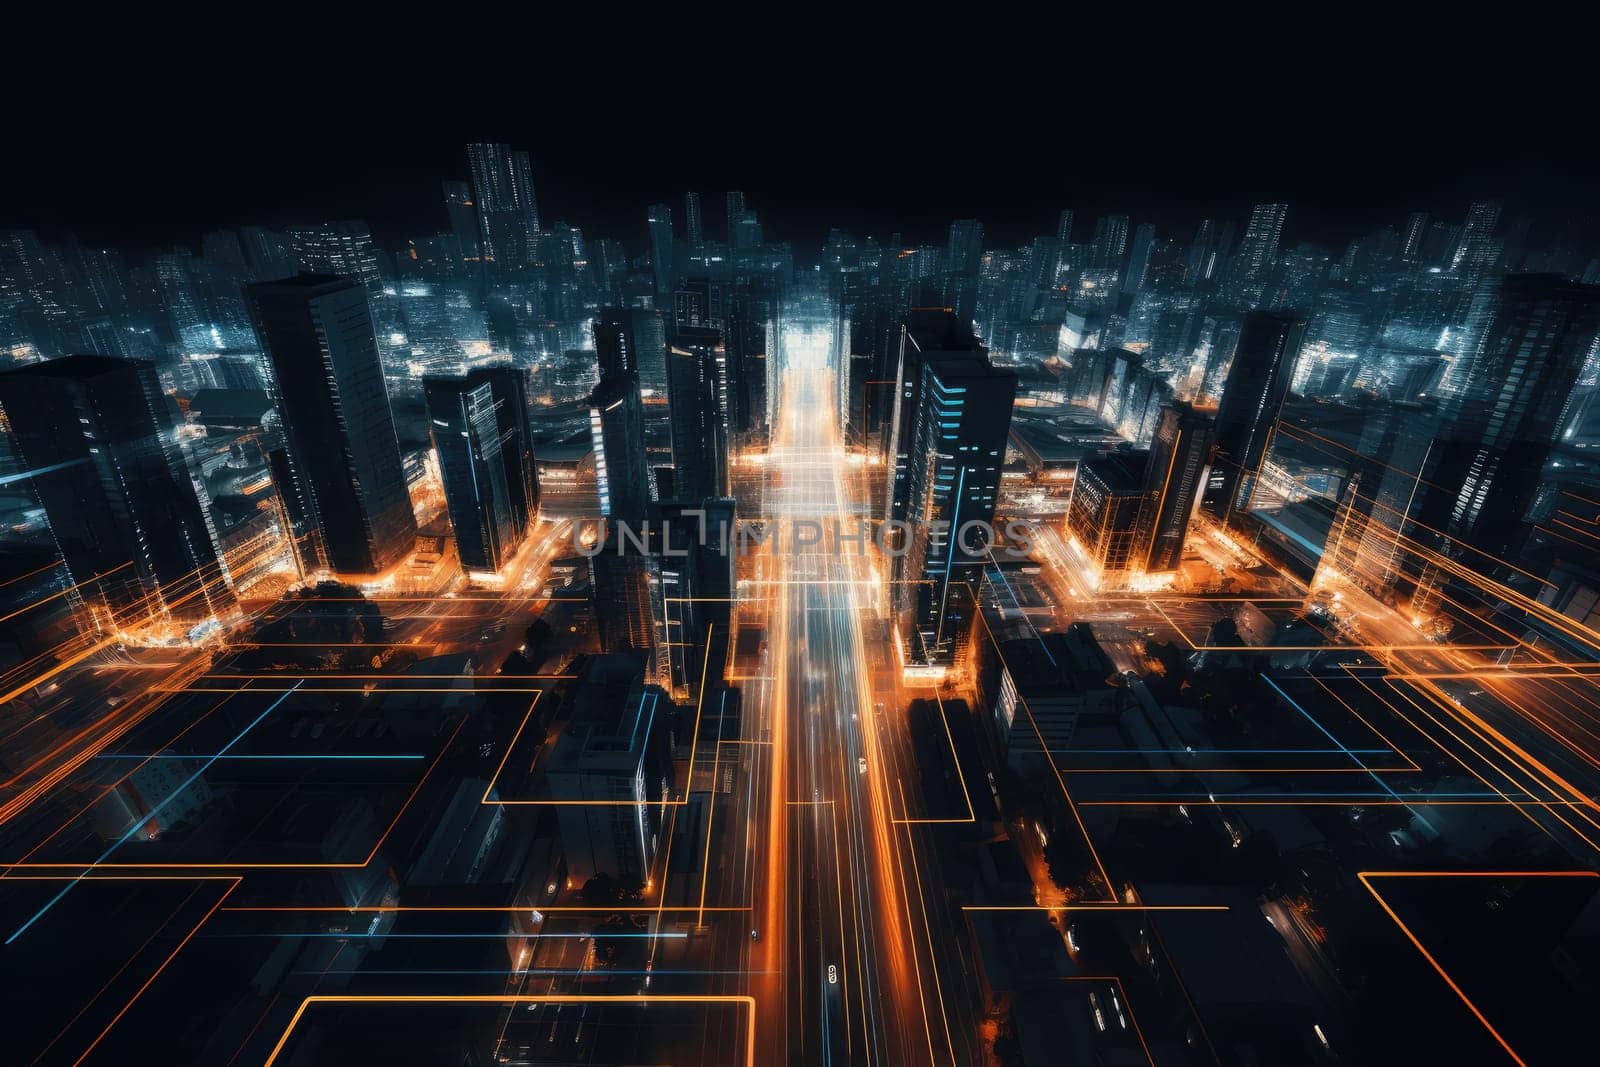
1365	543
1258	380
338	466
480	431
697	392
616	426
94	431
658	219
633	340
964	250
343	248
625	588
1064	226
949	481
463	213
508	214
1499	427
1063	242
1414	236
1258	253
734	203
1144	239
1476	252
1110	241
751	315
925	334
1202	258
693	229
1178	454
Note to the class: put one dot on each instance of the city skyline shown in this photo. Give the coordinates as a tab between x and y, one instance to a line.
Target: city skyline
954	598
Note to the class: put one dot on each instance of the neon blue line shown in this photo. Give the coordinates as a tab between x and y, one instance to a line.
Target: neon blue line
119	842
1312	720
25	475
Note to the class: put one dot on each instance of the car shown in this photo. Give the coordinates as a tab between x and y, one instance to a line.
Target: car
861	764
1097	1012
833	975
1122	1020
755	935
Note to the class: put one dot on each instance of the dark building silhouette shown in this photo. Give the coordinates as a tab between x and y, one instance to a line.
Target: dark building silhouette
616	426
626	593
1178	454
658	221
633	341
697	387
95	432
752	313
697	544
480	431
1257	382
615	753
338	464
1499	426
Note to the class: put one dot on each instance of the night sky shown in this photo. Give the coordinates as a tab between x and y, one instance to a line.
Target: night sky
1011	145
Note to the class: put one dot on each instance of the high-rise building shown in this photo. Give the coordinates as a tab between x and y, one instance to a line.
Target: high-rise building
633	341
463	213
1258	253
735	214
508	214
1499	427
1110	241
626	591
1173	479
1258	380
956	418
343	248
964	250
693	228
697	541
698	301
1063	243
616	425
1201	263
1064	226
749	320
748	234
1365	543
658	219
1144	239
1107	516
95	434
267	253
1414	236
480	431
337	467
1477	251
697	390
